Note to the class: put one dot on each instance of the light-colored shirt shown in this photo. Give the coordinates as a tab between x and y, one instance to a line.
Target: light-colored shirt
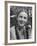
21	33
12	33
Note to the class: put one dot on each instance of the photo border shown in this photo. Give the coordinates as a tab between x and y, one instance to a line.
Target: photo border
6	22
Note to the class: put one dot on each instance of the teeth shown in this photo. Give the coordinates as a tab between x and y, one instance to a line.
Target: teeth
21	22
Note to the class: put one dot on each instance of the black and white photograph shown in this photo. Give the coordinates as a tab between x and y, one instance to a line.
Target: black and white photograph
21	22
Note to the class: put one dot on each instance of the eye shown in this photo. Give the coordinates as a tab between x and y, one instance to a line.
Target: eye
20	16
24	17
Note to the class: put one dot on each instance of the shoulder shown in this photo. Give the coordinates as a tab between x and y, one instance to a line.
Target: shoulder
12	28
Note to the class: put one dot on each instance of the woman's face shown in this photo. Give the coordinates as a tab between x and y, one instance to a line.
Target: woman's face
22	18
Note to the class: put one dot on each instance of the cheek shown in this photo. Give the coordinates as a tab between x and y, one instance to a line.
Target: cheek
25	20
18	19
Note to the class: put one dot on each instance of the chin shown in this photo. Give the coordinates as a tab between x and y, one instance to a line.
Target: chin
21	25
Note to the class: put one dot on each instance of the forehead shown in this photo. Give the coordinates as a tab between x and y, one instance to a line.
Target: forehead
23	14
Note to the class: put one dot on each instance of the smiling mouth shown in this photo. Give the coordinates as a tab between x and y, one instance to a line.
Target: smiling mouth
21	22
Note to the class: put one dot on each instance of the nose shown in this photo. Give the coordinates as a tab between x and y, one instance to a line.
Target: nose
22	19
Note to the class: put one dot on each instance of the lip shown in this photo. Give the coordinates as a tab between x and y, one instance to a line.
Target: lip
21	22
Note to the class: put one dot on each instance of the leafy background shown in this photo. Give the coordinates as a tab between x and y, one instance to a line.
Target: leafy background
14	11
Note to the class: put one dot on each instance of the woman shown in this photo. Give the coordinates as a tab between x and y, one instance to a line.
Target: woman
20	30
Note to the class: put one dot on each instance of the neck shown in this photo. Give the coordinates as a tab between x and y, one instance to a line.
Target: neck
21	27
